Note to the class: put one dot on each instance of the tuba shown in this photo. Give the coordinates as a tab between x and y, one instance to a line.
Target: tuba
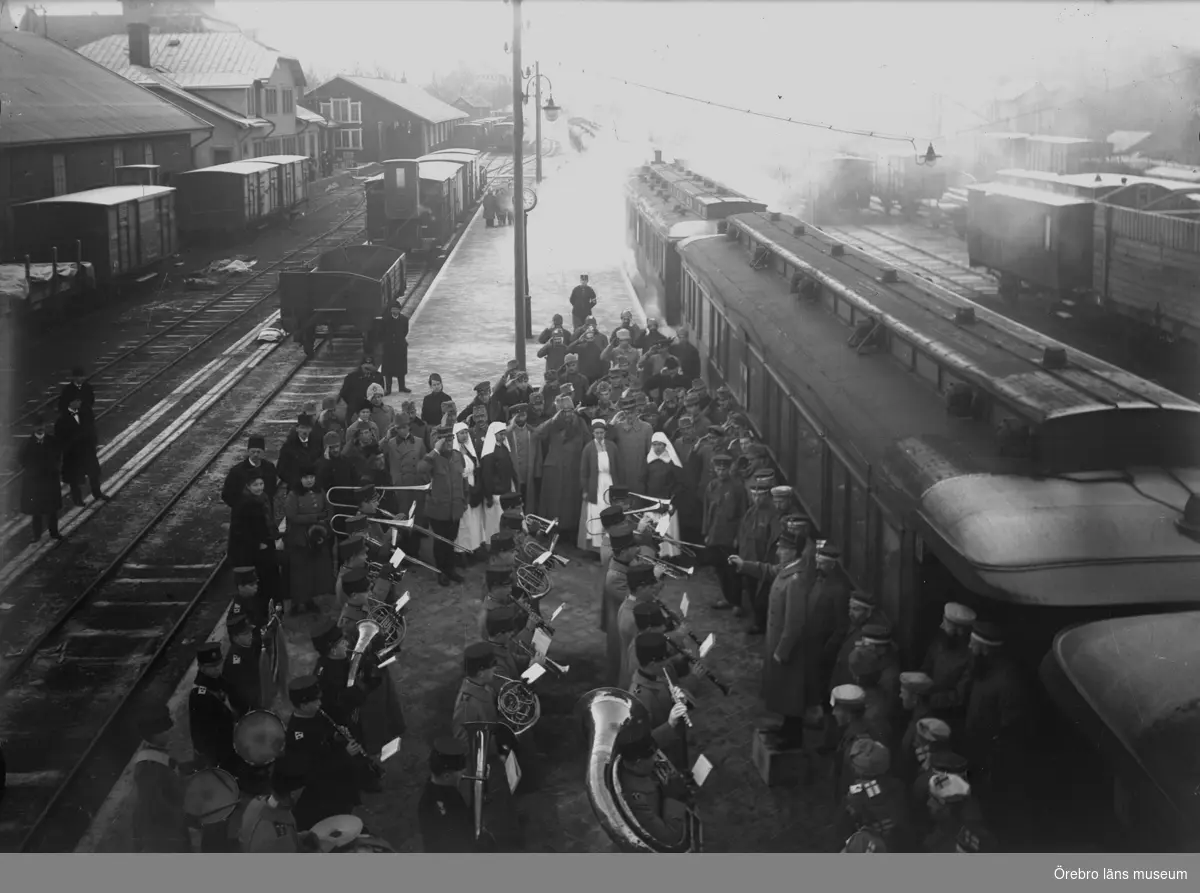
605	713
518	705
367	631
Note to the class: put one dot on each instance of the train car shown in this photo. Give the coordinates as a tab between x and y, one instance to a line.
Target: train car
394	212
664	204
138	175
347	287
226	198
289	184
1030	237
123	231
441	196
473	173
951	453
1000	151
470	135
900	182
1064	154
500	136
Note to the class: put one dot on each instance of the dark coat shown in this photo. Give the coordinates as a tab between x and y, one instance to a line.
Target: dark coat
235	482
689	359
789	684
431	408
394	339
664	480
330	786
213	708
294	455
83	391
589	469
447	498
583	298
78	442
499	474
249	527
354	388
445	820
41	489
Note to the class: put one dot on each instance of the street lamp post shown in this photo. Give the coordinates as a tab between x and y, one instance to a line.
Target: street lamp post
549	108
518	194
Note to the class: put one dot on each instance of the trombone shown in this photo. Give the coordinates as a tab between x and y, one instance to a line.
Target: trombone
658	505
688	550
385	518
346	505
536	525
544	660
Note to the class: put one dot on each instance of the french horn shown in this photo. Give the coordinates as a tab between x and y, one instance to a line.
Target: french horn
518	705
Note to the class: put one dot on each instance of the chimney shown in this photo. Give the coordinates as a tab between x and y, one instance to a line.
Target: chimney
658	156
137	25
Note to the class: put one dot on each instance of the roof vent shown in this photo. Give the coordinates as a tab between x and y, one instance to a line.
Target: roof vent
658	156
890	276
837	249
173	42
798	229
1054	358
964	316
773	216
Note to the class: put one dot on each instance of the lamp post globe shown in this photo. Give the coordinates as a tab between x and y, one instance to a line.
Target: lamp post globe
551	110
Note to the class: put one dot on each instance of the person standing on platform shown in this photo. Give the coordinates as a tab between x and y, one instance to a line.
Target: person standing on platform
354	386
394	329
446	501
254	465
252	536
307	543
563	438
526	453
632	437
556	327
470	529
498	475
664	480
613	595
687	354
79	387
159	822
554	351
242	670
213	709
583	299
301	449
725	504
432	412
596	471
324	760
41	490
444	817
75	432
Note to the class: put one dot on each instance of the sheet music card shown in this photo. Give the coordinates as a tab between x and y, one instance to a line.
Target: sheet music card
684	604
393	747
701	770
707	645
541	643
534	673
513	770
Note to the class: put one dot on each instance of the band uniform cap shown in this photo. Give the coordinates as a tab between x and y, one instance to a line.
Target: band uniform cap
960	615
916	682
500	618
932	729
616	491
155	721
450	748
788	540
722	458
571	358
483	386
599	423
640	575
338	831
611	516
864	842
355	582
257	442
877	633
511	519
498	576
782	492
326	636
620	537
304	690
244	576
509	501
502	542
238	624
987	633
478	656
847	696
948	762
859	597
331	438
351	546
865	662
949	788
648	610
869	759
650	646
517	408
208	654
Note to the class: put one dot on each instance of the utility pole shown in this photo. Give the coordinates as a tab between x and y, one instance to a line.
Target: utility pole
518	194
537	76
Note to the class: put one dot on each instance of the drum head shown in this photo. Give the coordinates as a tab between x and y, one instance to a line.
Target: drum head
211	796
259	738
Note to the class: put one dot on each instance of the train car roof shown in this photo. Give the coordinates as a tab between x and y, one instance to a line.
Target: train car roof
438	170
1098	180
106	196
1005	135
964	491
474	153
280	159
240	168
1130	684
1189	175
661	214
1062	140
442	159
1025	194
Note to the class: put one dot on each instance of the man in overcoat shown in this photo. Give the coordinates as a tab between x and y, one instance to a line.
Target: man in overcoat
41	490
75	431
394	332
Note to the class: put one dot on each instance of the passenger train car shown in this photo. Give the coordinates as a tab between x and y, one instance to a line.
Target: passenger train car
951	453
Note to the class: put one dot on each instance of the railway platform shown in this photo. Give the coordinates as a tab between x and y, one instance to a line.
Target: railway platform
462	330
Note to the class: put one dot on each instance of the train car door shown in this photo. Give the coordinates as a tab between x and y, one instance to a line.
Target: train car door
150	232
124	261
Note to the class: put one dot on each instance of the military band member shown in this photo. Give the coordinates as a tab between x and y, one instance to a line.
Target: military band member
248	601
875	802
649	686
355	590
320	755
497	593
444	815
213	709
649	617
268	825
332	672
352	555
243	669
614	593
864	842
159	822
659	806
502	549
501	624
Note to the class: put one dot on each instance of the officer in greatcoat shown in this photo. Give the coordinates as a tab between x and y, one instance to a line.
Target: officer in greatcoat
214	707
321	756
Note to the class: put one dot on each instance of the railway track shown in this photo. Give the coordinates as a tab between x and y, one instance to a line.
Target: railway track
181	332
100	622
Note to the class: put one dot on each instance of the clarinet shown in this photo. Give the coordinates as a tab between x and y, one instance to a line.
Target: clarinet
674	622
344	734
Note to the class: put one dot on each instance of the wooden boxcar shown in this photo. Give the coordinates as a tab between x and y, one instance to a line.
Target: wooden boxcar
289	184
1063	154
441	196
348	287
225	198
138	175
395	215
951	460
1030	236
123	231
472	183
470	135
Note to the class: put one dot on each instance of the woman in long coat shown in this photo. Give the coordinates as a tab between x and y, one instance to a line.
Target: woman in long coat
394	332
563	436
596	470
470	528
308	543
41	488
431	404
252	538
664	480
499	475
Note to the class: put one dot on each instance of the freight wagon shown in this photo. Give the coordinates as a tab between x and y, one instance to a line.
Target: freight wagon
395	215
441	195
123	231
1064	154
476	171
225	198
467	179
289	182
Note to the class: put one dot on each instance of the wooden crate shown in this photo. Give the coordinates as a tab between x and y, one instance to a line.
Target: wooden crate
776	767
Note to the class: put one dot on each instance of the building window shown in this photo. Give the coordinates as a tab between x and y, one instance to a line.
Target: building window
272	101
60	174
341	111
289	102
148	154
348	138
326	108
118	156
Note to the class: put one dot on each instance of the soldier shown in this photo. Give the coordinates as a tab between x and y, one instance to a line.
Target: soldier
914	701
213	709
864	842
583	299
500	626
497	593
849	704
947	660
355	589
248	601
159	822
862	609
757	532
952	809
616	590
268	824
644	587
649	686
830	614
332	672
866	666
242	670
254	464
659	806
936	762
320	756
649	617
876	802
443	814
725	504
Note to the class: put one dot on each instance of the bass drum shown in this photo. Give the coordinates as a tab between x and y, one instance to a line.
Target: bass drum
259	738
211	796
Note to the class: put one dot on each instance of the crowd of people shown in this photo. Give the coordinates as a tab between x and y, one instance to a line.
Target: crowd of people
640	466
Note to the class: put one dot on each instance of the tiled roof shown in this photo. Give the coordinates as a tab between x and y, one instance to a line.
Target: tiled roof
193	61
409	97
52	93
172	92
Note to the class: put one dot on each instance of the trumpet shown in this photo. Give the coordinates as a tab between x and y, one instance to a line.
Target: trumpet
545	660
354	505
518	705
670	571
481	739
686	549
367	631
539	526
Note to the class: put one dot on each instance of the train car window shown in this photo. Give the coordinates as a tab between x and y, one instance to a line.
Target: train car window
889	566
927	368
857	537
838	492
1046	230
725	337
